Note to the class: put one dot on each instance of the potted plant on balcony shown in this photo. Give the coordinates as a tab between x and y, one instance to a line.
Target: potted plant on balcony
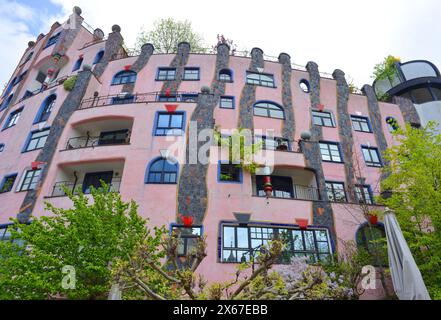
281	145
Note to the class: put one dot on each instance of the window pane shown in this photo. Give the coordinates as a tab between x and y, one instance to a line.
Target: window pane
297	240
229	238
163	120
176	121
242	237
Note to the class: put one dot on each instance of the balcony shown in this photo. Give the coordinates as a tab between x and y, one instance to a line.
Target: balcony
128	98
105	139
289	183
84	176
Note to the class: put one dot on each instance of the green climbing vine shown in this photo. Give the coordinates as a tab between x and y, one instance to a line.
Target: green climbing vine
385	70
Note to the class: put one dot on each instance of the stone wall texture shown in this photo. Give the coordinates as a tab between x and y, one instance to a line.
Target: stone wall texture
289	128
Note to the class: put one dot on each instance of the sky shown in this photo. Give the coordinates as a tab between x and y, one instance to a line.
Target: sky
350	35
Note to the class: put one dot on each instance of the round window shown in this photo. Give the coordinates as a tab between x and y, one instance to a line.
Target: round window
304	85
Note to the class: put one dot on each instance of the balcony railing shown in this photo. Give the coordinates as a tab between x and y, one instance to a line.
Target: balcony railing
59	187
91	142
43	88
299	193
108	100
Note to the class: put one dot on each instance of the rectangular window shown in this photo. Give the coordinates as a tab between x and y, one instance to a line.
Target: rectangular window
230	173
37	140
191	74
166	74
41	77
259	79
361	124
282	187
323	119
330	152
30	180
7	183
240	244
188	238
113	137
169	124
364	194
52	40
371	156
167	98
13	118
226	102
336	191
189	98
273	143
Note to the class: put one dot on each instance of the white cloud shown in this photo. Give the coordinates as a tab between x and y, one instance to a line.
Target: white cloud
346	34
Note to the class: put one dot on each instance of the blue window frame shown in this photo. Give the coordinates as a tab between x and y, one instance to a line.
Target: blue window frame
268	109
166	74
229	173
10	86
191	74
226	75
20	78
52	40
27	94
189	97
6	102
36	140
371	156
99	56
361	124
13	118
124	77
226	102
330	152
167	98
7	183
2	147
30	180
304	86
260	79
123	99
45	109
77	64
162	171
324	119
169	124
336	191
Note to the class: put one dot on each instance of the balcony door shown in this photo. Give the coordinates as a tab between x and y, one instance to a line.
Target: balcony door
94	180
113	137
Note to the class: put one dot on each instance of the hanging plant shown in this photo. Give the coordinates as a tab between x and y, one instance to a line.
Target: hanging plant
70	83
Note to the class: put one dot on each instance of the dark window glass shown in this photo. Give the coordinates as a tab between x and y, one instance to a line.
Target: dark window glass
336	191
99	56
265	80
41	77
364	194
6	102
124	77
189	98
37	140
282	187
13	118
421	95
123	99
8	183
227	102
77	64
274	143
163	172
330	152
167	98
113	137
166	74
53	40
371	156
188	238
96	179
269	110
2	147
169	124
370	238
361	124
191	74
30	180
322	119
230	173
47	109
225	75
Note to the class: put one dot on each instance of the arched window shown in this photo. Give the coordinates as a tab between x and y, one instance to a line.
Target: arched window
367	237
162	171
78	64
6	102
392	124
9	88
124	77
98	57
45	109
226	75
269	110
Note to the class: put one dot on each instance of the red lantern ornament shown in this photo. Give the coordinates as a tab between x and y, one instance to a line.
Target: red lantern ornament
36	164
303	223
267	186
187	221
373	219
171	108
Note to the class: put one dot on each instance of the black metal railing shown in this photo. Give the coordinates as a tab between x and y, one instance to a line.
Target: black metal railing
101	101
60	187
91	142
299	192
43	88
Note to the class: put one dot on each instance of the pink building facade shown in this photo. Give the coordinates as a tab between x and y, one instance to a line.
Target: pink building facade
114	126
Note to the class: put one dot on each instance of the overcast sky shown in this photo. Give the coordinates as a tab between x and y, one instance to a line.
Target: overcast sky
351	35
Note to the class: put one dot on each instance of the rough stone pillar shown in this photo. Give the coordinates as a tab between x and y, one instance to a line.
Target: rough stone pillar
248	95
70	104
314	83
179	62
146	52
289	129
408	110
113	45
345	132
70	31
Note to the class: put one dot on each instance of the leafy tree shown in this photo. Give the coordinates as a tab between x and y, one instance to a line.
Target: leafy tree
415	184
168	33
89	237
